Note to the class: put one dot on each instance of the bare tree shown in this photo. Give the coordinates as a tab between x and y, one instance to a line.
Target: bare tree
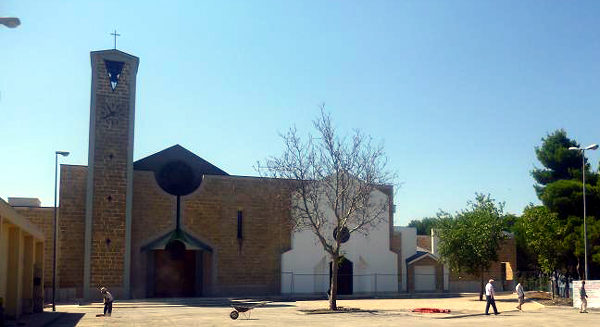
332	180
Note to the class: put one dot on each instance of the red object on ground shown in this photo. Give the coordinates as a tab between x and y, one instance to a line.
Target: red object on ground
431	310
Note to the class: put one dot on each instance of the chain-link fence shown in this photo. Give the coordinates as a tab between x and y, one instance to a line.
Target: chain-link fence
373	283
558	284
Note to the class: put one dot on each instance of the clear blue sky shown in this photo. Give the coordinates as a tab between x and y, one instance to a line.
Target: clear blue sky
460	92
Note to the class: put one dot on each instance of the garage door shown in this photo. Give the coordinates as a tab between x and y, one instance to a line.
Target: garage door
424	278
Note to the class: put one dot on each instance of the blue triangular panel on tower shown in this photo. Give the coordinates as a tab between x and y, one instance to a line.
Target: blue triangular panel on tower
113	69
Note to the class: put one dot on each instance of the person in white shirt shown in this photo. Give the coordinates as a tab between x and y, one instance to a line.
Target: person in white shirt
489	297
520	295
108	301
583	296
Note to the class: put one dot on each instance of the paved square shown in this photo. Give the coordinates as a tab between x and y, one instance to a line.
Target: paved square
466	311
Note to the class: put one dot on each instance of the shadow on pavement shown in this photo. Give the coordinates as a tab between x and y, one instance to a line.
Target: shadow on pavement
507	300
43	319
188	302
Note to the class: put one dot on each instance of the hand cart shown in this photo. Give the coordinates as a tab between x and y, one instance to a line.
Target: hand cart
244	308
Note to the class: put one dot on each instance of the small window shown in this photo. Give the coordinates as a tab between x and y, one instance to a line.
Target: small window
240	218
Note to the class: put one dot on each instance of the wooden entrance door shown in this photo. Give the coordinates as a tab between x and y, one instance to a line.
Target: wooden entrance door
345	277
174	276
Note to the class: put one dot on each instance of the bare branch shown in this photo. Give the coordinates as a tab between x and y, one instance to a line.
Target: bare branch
333	182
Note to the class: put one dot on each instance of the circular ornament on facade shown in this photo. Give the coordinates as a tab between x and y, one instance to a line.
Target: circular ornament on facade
178	178
345	234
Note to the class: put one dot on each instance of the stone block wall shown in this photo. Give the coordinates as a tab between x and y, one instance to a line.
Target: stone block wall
424	242
246	267
71	227
507	254
153	215
111	139
43	219
251	265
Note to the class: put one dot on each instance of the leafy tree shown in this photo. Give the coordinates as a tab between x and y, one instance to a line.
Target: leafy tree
559	162
423	226
332	180
559	183
573	241
544	233
559	187
526	258
510	220
564	197
469	241
594	235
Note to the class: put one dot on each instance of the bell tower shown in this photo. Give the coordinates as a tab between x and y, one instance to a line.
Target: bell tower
110	173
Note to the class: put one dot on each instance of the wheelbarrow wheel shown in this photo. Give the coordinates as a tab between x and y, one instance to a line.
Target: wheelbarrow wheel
234	315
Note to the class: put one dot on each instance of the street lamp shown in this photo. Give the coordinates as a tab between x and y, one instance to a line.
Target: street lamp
64	154
585	238
10	22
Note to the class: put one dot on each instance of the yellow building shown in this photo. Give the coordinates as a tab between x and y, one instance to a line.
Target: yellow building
21	264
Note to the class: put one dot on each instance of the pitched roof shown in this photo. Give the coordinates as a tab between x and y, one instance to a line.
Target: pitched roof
177	153
176	234
420	255
177	170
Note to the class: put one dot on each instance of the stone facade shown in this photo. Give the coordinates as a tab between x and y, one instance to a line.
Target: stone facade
110	171
252	264
153	216
71	233
43	219
424	242
502	271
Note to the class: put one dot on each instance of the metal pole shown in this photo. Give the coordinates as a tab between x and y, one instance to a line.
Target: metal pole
375	282
585	239
55	234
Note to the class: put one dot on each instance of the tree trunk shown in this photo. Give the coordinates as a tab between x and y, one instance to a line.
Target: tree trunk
482	287
334	283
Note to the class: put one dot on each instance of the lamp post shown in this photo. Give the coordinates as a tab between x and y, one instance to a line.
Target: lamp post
585	238
10	22
64	154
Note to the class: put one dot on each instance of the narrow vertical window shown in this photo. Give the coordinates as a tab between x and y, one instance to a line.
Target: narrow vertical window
240	218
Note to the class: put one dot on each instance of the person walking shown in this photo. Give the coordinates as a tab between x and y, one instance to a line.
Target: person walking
489	297
520	295
108	301
583	296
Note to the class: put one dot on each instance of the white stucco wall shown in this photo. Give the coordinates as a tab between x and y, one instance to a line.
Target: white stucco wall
409	247
305	268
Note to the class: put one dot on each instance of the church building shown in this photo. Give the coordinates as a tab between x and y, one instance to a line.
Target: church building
168	225
174	225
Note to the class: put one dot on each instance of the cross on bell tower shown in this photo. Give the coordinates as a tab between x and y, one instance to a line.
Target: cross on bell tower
115	36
